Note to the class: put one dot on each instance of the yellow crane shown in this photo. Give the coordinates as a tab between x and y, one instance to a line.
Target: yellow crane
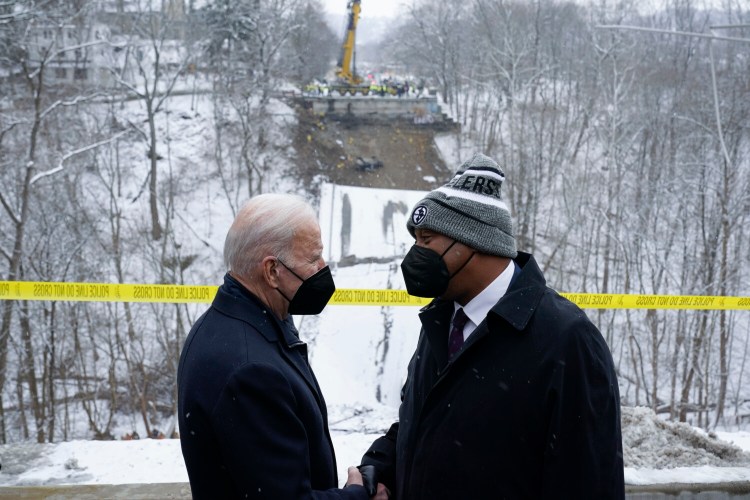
348	81
346	69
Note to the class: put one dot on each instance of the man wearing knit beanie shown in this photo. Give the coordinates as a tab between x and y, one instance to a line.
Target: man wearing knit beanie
512	391
470	209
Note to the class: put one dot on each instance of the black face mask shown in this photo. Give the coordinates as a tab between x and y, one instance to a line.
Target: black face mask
425	272
313	294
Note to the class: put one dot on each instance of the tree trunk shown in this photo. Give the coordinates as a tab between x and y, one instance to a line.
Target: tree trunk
20	220
153	201
30	373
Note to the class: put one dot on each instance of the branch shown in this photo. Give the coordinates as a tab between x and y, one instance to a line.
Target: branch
119	77
716	105
168	92
6	18
671	32
11	213
48	56
69	48
120	80
729	26
66	157
192	230
137	129
8	129
78	99
6	254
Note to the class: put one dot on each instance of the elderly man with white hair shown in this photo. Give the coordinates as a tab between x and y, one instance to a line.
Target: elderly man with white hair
253	420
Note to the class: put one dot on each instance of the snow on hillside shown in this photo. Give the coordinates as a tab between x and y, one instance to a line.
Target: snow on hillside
365	223
359	354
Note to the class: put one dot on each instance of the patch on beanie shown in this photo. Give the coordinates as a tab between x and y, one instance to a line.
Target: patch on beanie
419	214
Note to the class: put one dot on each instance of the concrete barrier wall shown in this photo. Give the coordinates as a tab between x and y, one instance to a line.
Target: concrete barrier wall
424	110
693	491
99	491
717	491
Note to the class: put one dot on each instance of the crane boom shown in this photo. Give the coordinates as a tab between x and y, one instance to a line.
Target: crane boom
346	65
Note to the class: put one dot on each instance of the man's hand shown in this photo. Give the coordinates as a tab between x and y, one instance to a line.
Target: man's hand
366	475
354	477
382	493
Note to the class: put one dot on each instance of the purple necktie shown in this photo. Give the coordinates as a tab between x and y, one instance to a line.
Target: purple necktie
456	339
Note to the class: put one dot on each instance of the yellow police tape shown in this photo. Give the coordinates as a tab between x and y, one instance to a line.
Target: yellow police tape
109	292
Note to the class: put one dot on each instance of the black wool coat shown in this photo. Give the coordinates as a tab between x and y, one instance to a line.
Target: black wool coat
253	422
529	408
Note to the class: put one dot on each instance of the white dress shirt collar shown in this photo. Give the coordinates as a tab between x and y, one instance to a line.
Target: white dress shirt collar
478	308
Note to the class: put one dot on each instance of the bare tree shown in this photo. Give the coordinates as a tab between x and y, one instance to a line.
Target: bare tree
247	43
622	178
155	58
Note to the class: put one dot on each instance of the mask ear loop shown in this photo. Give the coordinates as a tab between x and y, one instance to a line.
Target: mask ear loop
464	265
447	249
290	269
295	274
460	268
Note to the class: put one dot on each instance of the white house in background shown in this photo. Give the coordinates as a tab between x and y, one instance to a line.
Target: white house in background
73	53
92	51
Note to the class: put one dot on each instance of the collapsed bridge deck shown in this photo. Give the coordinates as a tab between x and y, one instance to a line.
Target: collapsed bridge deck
424	110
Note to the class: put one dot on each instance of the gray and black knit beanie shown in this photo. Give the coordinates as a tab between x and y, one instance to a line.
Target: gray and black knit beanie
470	209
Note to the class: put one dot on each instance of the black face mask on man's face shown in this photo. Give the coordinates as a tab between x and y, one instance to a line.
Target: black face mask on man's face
425	272
313	294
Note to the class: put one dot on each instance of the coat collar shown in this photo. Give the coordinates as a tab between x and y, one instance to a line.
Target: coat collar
522	299
238	302
516	307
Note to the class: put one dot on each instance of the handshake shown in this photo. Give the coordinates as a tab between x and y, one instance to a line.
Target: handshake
367	476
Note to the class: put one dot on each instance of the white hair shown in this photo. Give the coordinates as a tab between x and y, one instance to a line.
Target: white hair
265	225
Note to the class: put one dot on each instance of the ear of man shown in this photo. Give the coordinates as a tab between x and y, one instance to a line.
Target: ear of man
270	271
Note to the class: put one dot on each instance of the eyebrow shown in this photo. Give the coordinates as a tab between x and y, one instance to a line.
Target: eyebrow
317	255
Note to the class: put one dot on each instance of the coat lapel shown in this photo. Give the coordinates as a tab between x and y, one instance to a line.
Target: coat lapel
436	320
516	306
295	351
234	300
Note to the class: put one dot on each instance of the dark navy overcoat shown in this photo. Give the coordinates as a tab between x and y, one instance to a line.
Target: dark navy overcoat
253	422
528	409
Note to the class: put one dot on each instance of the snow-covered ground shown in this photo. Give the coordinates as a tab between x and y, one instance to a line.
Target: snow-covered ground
160	461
